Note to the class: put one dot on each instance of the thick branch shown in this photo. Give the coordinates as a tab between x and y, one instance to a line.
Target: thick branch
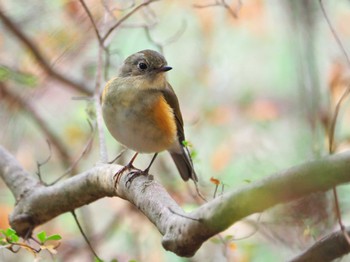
27	42
326	249
182	233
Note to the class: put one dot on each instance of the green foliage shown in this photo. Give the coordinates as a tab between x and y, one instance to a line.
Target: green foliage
8	236
9	239
18	77
43	237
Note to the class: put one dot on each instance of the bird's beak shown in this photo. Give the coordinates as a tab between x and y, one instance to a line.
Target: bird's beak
164	68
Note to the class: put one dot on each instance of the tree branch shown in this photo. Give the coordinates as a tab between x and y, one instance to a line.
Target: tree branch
125	17
326	249
27	107
183	233
26	41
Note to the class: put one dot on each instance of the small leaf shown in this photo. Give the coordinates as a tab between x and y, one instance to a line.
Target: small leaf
185	143
215	240
4	73
215	181
42	236
228	238
10	232
11	235
53	237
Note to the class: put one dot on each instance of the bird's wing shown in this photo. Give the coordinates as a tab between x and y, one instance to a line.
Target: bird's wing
171	99
182	159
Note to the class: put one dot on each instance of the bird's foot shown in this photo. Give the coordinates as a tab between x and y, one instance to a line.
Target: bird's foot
135	174
117	175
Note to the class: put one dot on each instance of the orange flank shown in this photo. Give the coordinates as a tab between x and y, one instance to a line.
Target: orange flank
165	119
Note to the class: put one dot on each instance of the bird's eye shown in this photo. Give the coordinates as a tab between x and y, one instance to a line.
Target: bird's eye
142	66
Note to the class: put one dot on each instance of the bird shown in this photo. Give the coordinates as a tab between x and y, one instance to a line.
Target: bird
142	112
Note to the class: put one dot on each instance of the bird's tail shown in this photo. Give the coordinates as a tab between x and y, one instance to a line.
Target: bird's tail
184	164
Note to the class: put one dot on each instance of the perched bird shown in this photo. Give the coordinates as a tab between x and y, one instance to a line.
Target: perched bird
141	111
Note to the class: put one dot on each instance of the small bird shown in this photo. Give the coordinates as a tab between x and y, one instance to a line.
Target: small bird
142	112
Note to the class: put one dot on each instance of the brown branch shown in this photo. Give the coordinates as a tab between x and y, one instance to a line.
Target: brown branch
40	58
326	249
38	204
223	4
99	118
125	17
92	21
334	119
27	107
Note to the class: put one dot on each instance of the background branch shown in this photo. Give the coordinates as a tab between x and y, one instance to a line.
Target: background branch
183	233
27	107
40	58
326	249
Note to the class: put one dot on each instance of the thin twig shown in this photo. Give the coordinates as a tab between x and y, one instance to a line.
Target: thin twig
40	58
29	108
334	119
92	21
223	4
99	119
168	41
125	17
85	237
86	148
39	164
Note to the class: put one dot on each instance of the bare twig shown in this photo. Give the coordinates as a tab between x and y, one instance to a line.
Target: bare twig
125	17
171	39
85	237
86	148
222	3
28	108
82	2
99	120
40	58
334	119
327	249
39	164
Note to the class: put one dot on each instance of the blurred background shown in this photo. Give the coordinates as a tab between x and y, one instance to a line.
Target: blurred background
257	81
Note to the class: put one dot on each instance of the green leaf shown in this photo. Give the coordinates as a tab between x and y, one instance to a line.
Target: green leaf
185	143
228	238
10	232
10	235
215	240
4	73
42	236
98	260
25	79
53	237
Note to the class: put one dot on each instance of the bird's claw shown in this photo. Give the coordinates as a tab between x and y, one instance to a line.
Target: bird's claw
135	174
117	175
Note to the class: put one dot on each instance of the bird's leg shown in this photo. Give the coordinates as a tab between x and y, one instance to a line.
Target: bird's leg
140	172
121	171
145	172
